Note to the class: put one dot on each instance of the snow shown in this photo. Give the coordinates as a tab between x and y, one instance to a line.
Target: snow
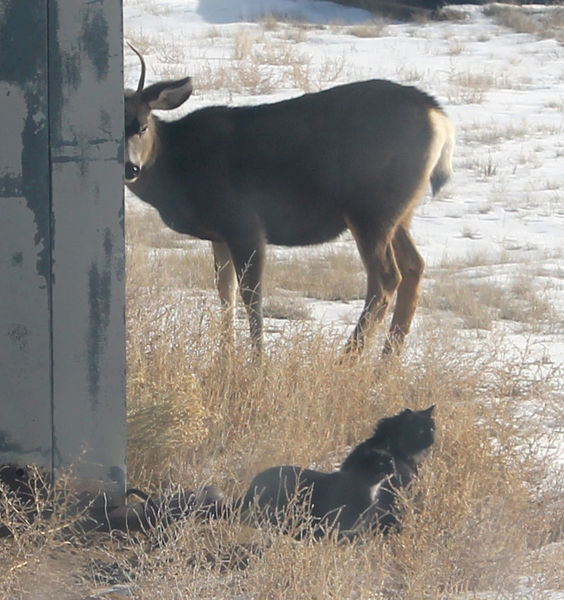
502	213
503	90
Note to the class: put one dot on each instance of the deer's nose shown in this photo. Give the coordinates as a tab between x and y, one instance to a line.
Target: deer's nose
131	171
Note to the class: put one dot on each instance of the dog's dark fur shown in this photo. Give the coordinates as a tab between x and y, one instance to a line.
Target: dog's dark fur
27	486
299	500
359	497
408	437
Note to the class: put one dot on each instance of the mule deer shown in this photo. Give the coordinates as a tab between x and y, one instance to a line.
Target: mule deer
296	172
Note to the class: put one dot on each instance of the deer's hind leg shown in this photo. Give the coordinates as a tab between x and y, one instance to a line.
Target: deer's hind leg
411	266
383	278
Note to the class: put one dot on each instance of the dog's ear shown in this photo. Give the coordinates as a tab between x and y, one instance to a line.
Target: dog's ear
429	411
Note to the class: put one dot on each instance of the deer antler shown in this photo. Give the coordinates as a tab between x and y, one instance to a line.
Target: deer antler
143	68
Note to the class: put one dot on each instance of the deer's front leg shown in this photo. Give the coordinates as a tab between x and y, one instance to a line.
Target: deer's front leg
248	254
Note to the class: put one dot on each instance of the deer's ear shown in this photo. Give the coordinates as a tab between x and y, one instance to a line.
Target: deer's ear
166	95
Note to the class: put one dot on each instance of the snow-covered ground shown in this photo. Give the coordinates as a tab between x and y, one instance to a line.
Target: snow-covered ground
500	220
503	212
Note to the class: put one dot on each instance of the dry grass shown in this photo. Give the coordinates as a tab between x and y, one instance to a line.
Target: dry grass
480	519
284	305
469	88
259	63
375	28
546	23
484	516
328	273
479	301
37	561
256	59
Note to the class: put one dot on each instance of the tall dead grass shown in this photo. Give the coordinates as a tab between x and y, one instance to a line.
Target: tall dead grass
545	23
481	518
477	520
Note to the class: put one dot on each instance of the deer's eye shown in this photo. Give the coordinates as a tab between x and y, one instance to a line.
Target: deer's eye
143	129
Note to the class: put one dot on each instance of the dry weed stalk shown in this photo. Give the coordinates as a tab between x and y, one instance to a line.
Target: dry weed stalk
467	528
482	514
470	524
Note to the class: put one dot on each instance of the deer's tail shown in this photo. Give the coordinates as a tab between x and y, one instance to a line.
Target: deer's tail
443	130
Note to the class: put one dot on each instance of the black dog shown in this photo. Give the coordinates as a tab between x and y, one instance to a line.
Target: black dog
359	497
408	437
298	500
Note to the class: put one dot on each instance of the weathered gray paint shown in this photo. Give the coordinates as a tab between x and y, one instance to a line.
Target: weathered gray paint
62	349
25	346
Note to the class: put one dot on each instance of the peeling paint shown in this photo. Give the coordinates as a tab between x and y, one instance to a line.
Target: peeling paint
71	69
94	40
56	97
9	447
14	104
99	302
17	259
36	189
18	334
11	186
62	334
26	172
18	17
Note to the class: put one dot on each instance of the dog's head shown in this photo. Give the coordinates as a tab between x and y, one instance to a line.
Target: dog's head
415	431
407	434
